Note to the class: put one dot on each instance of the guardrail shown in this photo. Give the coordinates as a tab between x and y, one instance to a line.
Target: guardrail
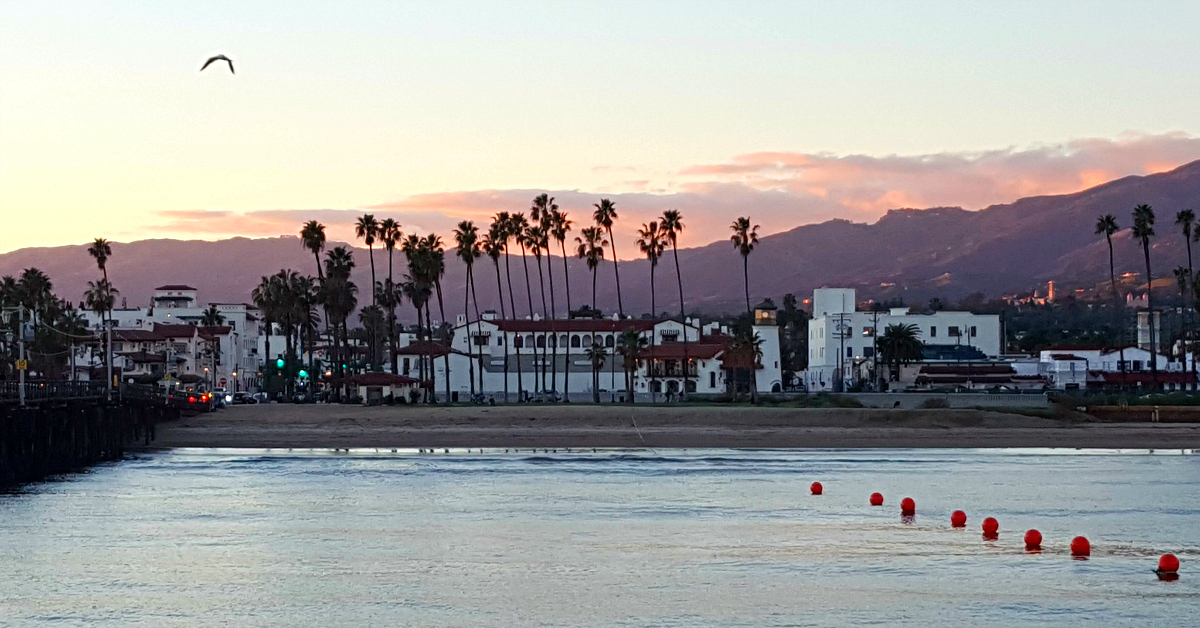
51	390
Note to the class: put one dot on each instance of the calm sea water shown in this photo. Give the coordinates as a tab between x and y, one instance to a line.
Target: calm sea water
634	538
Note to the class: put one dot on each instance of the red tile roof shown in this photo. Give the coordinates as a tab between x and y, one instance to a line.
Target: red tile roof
573	325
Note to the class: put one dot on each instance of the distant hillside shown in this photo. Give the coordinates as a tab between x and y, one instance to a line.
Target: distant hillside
944	251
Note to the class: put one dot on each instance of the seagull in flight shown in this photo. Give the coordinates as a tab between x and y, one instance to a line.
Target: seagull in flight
219	58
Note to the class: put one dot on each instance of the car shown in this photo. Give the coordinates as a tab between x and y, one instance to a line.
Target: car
244	398
221	397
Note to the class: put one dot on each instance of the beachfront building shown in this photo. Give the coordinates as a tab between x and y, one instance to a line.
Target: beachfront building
1069	367
550	357
842	339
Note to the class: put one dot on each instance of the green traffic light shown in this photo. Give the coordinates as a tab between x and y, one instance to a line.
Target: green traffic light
303	373
279	363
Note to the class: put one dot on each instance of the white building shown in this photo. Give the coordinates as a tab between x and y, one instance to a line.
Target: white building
559	348
1074	367
841	339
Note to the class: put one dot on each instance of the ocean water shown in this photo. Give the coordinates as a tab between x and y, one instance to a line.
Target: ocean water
608	538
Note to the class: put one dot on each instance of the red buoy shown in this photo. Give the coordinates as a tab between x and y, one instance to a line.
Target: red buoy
816	488
1080	547
1033	540
1168	564
908	506
876	499
990	525
958	519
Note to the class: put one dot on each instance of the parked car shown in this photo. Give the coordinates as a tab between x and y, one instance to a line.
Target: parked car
244	398
221	397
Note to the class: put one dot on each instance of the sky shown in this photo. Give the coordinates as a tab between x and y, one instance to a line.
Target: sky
431	113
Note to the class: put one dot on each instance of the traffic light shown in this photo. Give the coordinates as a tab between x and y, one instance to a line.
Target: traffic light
279	363
303	373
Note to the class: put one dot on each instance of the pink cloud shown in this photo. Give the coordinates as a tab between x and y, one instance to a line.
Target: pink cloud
779	190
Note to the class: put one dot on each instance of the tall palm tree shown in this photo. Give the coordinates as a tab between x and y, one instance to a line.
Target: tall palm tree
744	238
366	228
492	245
390	234
744	350
671	224
466	241
589	246
506	226
560	226
543	212
437	269
899	344
1186	219
520	231
338	295
1143	230
1107	224
605	215
264	299
312	237
535	237
101	250
651	243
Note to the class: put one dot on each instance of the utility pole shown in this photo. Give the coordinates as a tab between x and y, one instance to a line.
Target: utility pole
108	344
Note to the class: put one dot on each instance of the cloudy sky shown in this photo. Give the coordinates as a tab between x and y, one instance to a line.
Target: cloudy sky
789	112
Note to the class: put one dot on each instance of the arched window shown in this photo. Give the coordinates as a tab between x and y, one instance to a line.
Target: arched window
562	341
587	340
518	342
541	341
575	341
609	341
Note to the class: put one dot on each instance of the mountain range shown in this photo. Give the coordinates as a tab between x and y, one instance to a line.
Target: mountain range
912	254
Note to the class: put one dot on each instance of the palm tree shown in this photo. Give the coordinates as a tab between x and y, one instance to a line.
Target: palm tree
339	297
595	355
744	238
542	211
650	242
1186	219
101	250
466	239
605	215
437	269
560	226
367	229
506	225
390	234
493	246
521	228
1143	230
312	237
1107	224
631	345
590	245
899	344
671	224
535	237
744	350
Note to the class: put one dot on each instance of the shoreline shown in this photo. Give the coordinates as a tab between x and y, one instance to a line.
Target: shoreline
587	426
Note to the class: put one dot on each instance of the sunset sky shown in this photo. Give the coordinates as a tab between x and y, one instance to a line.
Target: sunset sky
789	112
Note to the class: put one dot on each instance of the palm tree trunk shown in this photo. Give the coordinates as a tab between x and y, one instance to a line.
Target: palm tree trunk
470	350
594	269
477	328
682	319
529	298
266	367
1150	317
1112	278
503	316
1189	322
512	307
442	312
567	349
612	243
546	315
750	313
392	311
653	314
553	325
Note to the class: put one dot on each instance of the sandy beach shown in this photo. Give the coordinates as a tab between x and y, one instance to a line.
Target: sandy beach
340	426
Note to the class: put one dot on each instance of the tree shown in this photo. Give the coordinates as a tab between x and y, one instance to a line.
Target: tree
560	226
101	250
630	345
743	352
312	237
390	234
339	294
507	228
367	229
466	240
744	238
1186	219
900	344
1143	230
596	355
266	302
671	224
520	231
650	242
589	246
437	269
493	246
542	212
605	215
1107	224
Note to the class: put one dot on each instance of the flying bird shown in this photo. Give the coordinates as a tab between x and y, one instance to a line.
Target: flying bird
219	58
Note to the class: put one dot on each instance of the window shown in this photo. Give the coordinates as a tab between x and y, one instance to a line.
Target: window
933	331
609	341
575	341
712	379
868	352
518	342
868	332
541	341
690	386
849	352
973	331
482	340
953	331
1137	365
822	353
587	340
562	341
670	335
